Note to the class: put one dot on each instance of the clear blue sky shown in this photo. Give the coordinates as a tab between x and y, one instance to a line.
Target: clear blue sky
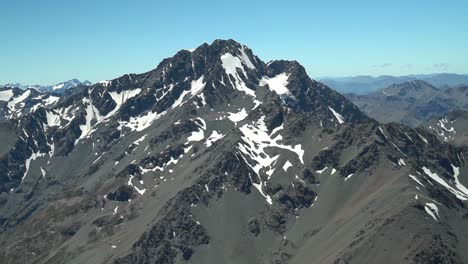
49	41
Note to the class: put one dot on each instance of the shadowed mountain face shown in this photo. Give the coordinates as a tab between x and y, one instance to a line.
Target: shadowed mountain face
412	103
218	157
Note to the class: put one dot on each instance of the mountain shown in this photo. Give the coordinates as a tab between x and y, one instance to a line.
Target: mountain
362	85
63	86
57	88
15	102
411	103
218	157
451	128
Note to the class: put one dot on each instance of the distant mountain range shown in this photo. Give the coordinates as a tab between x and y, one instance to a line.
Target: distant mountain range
411	103
368	84
57	88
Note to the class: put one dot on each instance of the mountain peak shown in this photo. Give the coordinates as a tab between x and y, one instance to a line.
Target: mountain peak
410	88
229	69
226	42
152	157
419	83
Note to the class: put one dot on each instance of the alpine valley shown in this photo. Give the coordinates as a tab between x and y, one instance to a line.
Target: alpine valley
218	157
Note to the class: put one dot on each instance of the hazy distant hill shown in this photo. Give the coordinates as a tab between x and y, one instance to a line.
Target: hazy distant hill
411	103
368	84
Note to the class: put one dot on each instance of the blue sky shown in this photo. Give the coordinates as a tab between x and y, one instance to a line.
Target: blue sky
49	41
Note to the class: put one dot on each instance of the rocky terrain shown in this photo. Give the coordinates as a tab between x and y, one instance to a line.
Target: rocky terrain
218	157
451	128
15	102
412	103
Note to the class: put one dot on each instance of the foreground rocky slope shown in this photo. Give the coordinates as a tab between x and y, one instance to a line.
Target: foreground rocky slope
217	157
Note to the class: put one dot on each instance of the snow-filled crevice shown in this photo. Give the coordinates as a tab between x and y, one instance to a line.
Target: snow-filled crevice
253	148
230	64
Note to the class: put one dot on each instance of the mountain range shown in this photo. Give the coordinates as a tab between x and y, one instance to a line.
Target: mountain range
412	103
362	85
215	156
57	88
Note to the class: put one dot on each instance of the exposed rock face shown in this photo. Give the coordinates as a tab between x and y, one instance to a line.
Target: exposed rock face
218	157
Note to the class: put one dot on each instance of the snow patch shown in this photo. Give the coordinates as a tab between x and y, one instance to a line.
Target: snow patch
6	95
92	114
196	136
322	170
401	162
33	156
105	83
423	139
53	119
138	141
381	131
215	136
337	115
277	129
121	97
142	122
230	64
43	172
255	141
130	183
286	165
245	58
202	98
277	84
195	88
459	194
58	86
416	180
432	210
12	104
349	176
238	117
458	184
51	100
